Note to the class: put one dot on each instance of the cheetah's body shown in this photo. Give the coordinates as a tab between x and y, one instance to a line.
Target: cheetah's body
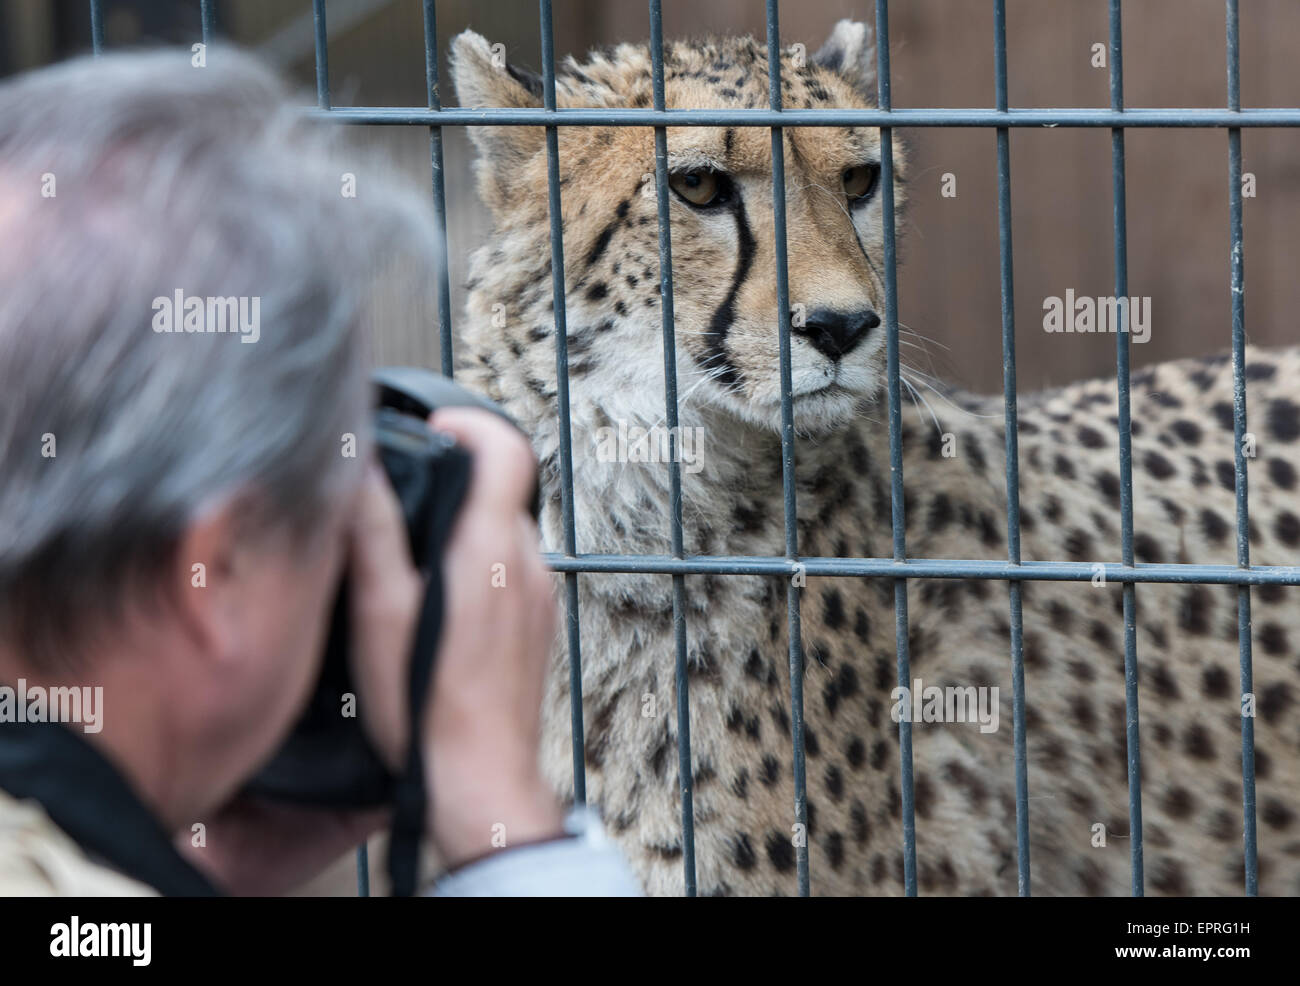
736	625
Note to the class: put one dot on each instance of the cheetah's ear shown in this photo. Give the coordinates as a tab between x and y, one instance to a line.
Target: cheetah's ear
851	51
484	78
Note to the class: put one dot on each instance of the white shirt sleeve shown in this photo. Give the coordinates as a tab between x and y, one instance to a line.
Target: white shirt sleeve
587	864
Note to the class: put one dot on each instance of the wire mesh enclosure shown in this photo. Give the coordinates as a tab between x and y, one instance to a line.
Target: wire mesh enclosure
899	569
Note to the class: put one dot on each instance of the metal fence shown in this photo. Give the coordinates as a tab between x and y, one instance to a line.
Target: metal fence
899	569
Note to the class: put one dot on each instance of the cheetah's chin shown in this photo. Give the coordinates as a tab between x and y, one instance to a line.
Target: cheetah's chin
816	412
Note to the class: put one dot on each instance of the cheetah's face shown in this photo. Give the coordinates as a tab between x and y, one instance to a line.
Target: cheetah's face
721	215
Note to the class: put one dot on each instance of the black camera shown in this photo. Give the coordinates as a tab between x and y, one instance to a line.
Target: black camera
327	760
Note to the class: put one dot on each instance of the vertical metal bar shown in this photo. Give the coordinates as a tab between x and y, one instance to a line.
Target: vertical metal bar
684	774
897	517
439	191
96	27
787	451
1125	455
323	101
1013	452
1236	246
208	17
322	55
363	870
562	398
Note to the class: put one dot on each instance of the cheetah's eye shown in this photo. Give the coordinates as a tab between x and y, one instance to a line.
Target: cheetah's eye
700	188
860	182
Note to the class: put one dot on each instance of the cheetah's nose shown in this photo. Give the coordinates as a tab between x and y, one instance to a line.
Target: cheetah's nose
836	333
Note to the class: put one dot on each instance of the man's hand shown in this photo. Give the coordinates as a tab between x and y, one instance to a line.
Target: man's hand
481	729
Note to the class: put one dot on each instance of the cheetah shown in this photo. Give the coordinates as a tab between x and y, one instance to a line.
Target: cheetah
724	278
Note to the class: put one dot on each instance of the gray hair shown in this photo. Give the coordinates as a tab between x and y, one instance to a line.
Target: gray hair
169	177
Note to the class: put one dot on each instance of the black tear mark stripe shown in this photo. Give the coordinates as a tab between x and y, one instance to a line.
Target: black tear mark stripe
796	154
602	241
715	354
863	247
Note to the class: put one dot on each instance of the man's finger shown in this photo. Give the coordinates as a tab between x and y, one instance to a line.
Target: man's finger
505	469
379	535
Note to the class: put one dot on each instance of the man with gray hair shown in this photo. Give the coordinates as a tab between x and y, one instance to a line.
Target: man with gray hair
183	292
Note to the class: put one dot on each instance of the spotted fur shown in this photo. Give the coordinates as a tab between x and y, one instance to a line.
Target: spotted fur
736	626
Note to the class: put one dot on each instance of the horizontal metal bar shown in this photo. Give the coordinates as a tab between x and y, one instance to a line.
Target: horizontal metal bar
1064	117
926	568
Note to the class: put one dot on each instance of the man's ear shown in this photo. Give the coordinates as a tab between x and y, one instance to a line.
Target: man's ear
484	78
207	567
851	51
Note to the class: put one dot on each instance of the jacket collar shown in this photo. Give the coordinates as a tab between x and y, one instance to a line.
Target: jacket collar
86	796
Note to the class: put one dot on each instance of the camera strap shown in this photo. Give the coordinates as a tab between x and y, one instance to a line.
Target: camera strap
410	797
